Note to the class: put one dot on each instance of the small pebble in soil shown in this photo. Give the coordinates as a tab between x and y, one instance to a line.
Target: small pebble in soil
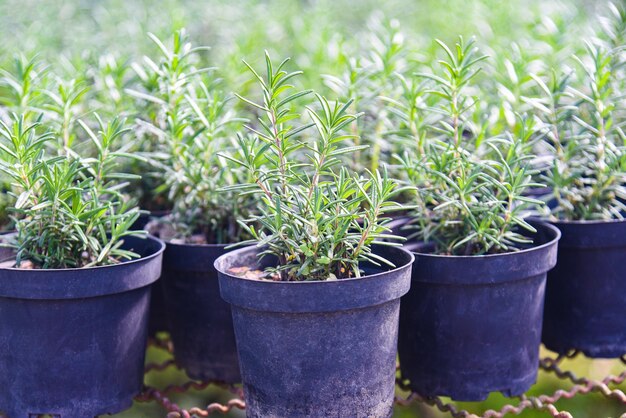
248	273
25	264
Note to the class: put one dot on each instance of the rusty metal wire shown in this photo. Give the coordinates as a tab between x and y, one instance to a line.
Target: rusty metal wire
174	411
160	396
546	403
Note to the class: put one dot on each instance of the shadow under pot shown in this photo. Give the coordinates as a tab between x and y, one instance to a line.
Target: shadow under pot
317	348
200	322
72	341
586	292
471	325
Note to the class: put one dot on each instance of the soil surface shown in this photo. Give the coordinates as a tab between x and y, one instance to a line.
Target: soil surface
25	265
248	273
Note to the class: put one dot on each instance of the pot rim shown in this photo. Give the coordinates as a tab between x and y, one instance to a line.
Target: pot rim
297	297
175	244
583	222
157	253
235	253
542	223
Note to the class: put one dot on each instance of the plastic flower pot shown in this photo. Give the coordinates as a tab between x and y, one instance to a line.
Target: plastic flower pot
72	341
145	218
317	348
200	321
586	292
471	325
157	321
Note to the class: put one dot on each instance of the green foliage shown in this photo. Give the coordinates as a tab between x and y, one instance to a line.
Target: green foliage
65	105
162	112
20	85
69	211
6	201
192	119
533	99
614	25
470	186
585	137
317	220
369	76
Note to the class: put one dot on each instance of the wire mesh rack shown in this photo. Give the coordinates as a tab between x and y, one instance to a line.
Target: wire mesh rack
548	403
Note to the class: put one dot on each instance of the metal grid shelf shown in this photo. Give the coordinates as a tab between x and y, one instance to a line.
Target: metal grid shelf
553	365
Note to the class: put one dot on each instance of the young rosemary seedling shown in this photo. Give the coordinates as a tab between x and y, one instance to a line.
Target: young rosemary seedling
318	220
585	138
369	76
469	185
193	121
69	211
163	112
21	85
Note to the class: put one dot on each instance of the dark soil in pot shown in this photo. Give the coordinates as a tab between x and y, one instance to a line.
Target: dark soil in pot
317	349
200	321
586	292
471	325
72	341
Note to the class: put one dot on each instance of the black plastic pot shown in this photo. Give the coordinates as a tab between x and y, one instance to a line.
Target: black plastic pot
145	217
586	292
471	325
318	348
157	321
200	321
72	341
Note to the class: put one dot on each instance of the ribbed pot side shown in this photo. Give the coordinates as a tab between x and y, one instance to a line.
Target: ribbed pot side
318	348
200	320
586	292
72	341
471	325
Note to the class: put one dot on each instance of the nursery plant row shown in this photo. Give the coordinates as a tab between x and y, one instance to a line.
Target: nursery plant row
299	244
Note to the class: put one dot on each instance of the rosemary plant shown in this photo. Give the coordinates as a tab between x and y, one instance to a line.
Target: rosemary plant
469	186
317	220
193	120
195	175
20	86
585	137
369	76
69	211
64	105
162	110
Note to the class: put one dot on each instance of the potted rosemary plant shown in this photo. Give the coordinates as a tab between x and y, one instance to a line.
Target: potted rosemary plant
159	90
316	301
74	298
203	218
586	292
471	323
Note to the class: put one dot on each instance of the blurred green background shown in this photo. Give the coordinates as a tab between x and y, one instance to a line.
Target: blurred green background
317	34
320	35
